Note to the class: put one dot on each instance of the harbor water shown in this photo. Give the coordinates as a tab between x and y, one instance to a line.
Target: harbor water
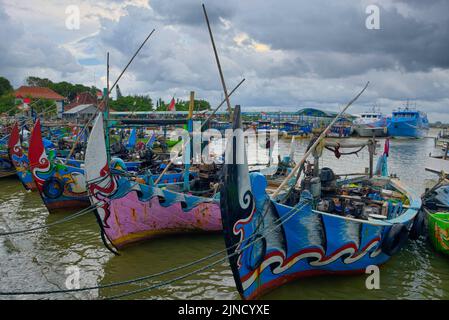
44	259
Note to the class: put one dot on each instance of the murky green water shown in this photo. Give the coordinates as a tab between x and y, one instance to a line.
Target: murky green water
39	261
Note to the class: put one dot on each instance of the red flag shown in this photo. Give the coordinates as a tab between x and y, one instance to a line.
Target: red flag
171	107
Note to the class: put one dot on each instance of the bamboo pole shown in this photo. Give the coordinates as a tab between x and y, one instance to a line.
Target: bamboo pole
191	104
218	64
202	126
222	103
312	148
106	112
132	59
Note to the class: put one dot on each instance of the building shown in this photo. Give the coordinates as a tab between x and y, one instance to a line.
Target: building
36	93
81	99
81	113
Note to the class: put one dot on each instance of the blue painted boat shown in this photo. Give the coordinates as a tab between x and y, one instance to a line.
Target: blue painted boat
270	244
408	123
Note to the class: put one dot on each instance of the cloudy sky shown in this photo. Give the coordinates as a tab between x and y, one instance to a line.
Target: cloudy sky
293	53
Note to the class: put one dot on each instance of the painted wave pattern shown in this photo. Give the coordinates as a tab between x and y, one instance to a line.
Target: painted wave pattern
135	211
329	244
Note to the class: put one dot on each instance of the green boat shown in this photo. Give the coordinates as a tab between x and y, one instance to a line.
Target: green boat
436	211
438	227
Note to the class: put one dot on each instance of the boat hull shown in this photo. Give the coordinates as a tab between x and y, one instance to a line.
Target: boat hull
438	227
407	129
131	219
364	131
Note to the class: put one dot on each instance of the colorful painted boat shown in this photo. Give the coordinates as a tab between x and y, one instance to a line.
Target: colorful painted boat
436	209
60	186
19	159
270	244
438	227
130	212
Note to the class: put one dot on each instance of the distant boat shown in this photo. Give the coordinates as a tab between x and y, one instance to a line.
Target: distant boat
408	123
371	123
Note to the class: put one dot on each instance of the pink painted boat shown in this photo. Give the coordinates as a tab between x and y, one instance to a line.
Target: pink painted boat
130	212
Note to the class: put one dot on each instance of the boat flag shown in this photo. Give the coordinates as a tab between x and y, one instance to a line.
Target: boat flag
132	139
382	163
151	141
172	106
387	147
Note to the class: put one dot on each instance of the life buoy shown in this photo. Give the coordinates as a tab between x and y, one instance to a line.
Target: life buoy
53	188
396	237
418	226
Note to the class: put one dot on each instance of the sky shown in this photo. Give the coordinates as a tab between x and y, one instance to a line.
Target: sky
292	53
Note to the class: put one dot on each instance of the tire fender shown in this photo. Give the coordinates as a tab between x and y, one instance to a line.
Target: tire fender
396	237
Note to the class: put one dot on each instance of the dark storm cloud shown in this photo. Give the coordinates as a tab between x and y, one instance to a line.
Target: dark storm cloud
335	27
293	53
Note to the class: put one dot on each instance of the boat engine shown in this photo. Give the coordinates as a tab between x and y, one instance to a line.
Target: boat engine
328	180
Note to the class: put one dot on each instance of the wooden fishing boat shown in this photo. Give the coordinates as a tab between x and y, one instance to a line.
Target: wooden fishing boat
436	211
19	159
60	186
129	211
270	244
61	182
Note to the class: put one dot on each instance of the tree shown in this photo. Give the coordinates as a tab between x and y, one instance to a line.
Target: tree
64	88
5	86
7	102
132	103
199	105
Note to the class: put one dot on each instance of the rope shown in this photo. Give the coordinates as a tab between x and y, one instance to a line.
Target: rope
338	154
131	281
292	213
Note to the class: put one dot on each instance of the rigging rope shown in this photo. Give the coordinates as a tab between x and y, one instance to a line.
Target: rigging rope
292	213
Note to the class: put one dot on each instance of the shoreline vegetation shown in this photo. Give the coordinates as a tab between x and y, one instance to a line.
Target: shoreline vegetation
132	103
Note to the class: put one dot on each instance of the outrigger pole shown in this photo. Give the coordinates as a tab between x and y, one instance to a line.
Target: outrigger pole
320	138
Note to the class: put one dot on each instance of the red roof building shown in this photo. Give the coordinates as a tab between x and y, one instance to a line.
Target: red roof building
37	93
82	99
